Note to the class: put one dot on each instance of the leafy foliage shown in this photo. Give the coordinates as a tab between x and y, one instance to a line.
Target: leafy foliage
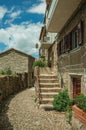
35	99
40	63
80	101
69	112
61	101
6	71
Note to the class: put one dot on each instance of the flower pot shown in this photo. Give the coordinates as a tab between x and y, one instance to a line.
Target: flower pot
79	114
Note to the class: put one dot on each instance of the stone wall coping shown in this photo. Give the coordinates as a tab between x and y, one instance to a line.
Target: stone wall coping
17	51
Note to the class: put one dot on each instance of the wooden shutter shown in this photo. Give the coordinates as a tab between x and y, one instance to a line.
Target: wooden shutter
59	49
80	32
68	42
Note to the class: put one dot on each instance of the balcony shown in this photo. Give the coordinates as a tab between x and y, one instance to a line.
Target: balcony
46	39
59	12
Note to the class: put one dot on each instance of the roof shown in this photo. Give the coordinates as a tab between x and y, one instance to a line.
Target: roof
18	51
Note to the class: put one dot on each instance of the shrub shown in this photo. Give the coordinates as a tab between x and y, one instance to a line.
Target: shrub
61	101
80	101
69	112
40	63
6	71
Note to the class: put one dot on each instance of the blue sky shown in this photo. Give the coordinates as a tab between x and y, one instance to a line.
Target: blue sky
20	24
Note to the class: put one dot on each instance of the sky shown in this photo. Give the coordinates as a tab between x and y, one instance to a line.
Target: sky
20	24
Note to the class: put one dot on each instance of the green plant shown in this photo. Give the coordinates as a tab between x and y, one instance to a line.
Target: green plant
69	113
40	63
61	101
80	101
35	99
6	71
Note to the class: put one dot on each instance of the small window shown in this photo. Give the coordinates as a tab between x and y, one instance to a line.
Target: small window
72	40
77	35
80	32
67	41
62	46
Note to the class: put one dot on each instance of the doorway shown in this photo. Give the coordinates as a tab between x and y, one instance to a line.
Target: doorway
76	86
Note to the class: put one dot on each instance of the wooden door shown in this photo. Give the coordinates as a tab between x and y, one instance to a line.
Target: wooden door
76	86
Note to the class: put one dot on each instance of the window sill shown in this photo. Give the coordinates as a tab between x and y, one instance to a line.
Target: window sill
71	51
75	49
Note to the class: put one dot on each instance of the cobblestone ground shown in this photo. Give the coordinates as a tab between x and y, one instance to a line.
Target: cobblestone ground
21	113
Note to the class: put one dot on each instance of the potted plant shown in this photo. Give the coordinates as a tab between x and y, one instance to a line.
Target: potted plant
80	108
39	63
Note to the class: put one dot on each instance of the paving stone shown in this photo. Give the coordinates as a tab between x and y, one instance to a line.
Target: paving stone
22	114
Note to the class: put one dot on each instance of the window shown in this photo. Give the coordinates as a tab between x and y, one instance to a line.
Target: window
72	40
62	46
77	35
80	32
67	41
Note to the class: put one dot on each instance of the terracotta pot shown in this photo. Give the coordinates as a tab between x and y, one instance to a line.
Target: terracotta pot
79	114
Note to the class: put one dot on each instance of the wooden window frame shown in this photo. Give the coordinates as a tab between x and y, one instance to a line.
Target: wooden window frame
72	40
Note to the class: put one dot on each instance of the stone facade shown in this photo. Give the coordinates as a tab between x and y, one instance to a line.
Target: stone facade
72	63
52	57
19	62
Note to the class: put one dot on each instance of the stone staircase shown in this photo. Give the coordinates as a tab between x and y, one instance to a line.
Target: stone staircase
49	87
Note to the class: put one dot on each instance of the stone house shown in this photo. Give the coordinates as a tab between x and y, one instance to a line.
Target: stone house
19	62
67	53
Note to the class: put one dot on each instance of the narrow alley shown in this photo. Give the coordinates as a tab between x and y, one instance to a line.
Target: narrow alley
20	113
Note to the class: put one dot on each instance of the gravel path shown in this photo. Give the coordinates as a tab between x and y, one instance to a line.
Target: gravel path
20	113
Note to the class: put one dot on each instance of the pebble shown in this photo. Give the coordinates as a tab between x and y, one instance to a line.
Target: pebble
22	114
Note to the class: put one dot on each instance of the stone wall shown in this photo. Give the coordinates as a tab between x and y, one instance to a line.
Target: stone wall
77	55
31	71
72	63
17	62
12	84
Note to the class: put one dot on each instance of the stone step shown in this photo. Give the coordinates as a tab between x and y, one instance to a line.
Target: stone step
46	106
49	80
46	70
48	94
46	100
50	89
48	76
50	84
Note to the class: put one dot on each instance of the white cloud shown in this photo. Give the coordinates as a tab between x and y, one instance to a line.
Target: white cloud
39	9
15	14
22	37
3	11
